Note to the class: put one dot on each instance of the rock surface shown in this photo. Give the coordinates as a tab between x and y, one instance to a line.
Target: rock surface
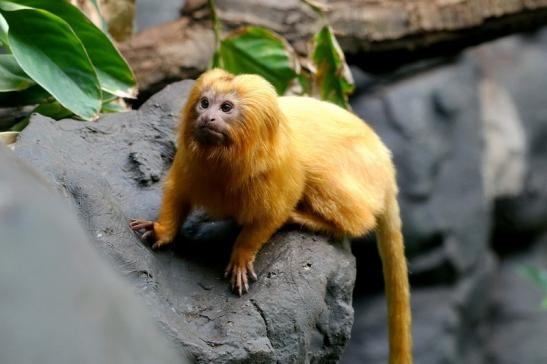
299	310
468	136
518	323
447	322
60	303
424	123
518	65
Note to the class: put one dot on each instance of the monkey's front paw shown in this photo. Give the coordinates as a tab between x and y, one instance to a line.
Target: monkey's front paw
238	269
152	232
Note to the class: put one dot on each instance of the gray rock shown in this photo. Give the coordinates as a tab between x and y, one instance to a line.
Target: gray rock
518	323
434	132
518	65
469	141
299	310
505	152
60	302
152	12
448	322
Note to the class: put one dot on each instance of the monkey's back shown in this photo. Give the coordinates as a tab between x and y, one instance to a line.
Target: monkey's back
347	165
323	130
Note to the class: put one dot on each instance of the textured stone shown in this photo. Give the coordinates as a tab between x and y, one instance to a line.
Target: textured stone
60	301
435	133
447	322
518	65
518	323
504	161
469	143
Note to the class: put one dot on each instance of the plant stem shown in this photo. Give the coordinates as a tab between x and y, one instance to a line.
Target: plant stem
319	9
216	22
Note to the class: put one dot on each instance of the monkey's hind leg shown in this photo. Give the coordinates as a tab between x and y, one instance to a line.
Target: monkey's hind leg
310	221
335	213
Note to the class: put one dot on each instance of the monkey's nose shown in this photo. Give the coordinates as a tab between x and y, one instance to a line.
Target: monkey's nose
211	120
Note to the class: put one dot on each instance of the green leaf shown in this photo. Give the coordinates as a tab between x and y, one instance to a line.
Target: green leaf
333	80
18	127
537	276
51	109
30	96
49	52
114	73
113	107
113	104
12	77
260	51
3	31
304	80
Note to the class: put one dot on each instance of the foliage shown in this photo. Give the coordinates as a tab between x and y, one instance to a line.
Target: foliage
261	51
12	77
59	59
539	278
332	79
257	50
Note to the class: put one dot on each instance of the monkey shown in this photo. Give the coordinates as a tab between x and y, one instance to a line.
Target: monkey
264	160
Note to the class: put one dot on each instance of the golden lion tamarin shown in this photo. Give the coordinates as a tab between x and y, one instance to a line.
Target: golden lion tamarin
243	152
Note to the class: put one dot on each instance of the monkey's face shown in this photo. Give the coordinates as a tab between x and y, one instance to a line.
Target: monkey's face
227	114
215	114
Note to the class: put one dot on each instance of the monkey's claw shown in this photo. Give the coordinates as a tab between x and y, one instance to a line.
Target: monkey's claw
138	225
239	273
149	234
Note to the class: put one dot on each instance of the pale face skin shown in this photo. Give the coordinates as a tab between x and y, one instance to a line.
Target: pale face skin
216	112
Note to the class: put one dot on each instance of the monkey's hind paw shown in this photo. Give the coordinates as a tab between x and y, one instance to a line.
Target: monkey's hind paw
238	276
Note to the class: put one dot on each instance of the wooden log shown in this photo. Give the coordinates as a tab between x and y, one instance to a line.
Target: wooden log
172	51
378	35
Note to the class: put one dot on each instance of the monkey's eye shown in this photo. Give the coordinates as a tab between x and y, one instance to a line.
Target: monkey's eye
204	103
226	106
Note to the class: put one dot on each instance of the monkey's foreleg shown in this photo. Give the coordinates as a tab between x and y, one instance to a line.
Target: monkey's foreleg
248	243
175	207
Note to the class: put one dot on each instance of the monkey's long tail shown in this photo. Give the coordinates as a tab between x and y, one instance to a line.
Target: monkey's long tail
391	247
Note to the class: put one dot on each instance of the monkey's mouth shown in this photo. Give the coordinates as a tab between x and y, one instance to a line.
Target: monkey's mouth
209	135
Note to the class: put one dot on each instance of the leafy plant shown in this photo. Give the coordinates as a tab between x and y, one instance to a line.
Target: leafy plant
332	80
261	51
539	278
59	59
257	50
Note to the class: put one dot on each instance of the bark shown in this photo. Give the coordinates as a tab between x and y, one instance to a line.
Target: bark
172	51
376	34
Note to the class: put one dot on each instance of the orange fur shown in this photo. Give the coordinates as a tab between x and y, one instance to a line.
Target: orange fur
293	159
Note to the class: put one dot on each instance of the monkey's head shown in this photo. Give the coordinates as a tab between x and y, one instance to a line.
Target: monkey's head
230	112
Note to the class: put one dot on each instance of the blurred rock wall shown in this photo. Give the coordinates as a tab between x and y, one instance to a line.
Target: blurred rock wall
154	12
469	138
